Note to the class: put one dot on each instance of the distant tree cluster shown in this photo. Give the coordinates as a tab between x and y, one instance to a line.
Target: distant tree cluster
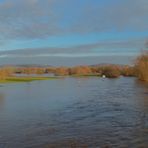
30	70
110	71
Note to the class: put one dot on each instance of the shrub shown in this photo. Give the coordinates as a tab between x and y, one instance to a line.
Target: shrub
80	70
111	72
5	72
61	71
141	67
128	71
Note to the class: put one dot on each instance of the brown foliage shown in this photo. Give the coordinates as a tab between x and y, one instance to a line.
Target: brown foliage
128	71
142	67
96	70
30	70
80	70
5	72
61	71
50	70
111	71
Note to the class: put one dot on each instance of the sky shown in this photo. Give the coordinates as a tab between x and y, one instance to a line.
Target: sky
74	27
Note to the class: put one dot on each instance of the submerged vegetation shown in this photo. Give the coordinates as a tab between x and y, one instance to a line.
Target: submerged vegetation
31	73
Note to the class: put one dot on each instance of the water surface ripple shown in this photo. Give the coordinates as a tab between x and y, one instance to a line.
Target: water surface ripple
74	112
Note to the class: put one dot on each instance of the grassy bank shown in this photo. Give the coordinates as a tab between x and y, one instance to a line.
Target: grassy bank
25	79
89	75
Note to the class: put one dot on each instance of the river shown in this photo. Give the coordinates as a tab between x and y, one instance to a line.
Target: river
74	112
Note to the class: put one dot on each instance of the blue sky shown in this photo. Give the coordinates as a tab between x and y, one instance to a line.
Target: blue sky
109	24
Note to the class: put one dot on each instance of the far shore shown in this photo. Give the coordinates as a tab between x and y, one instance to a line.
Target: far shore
10	74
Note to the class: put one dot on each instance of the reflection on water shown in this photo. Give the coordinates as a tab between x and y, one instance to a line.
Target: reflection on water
143	87
72	112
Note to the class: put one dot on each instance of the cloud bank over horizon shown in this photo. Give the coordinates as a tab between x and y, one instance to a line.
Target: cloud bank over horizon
82	26
129	48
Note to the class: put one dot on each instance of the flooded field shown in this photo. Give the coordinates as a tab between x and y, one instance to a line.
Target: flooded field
74	112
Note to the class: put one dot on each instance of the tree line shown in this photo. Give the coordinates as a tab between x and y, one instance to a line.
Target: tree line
140	70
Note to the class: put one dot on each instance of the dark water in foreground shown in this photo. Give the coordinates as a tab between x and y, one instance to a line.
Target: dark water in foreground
74	113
